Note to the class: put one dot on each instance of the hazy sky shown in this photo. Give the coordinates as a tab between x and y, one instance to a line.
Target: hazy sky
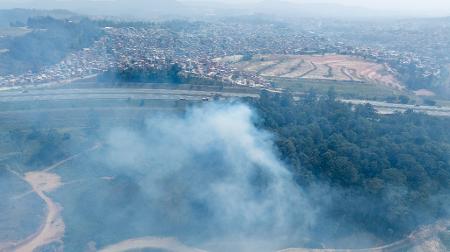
435	6
409	7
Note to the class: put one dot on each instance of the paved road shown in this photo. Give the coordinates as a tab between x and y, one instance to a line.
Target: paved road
174	95
390	108
115	94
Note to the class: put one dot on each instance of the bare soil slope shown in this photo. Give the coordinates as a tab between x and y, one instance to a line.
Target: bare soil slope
321	67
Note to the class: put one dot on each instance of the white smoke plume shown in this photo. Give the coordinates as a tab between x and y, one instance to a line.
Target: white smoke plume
213	179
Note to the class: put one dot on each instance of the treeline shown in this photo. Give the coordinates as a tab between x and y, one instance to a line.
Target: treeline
385	174
49	42
19	17
169	74
141	76
415	78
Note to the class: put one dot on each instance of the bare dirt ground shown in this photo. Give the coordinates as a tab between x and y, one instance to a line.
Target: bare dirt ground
169	244
424	92
52	229
325	67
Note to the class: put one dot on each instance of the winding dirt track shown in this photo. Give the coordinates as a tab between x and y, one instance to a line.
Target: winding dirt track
52	229
168	244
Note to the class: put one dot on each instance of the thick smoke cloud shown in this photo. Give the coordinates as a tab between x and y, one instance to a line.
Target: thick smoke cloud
214	179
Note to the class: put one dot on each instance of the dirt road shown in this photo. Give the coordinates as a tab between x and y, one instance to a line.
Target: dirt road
53	228
169	244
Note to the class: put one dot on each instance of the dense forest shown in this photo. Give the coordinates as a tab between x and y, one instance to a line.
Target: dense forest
48	43
141	76
414	77
170	74
384	174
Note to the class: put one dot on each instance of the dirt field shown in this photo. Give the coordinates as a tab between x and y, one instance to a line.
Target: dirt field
321	67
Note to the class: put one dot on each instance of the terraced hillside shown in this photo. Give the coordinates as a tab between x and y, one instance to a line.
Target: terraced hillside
320	67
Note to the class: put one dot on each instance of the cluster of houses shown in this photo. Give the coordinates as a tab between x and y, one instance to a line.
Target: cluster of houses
195	50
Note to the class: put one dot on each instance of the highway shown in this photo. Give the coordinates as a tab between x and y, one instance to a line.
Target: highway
160	94
77	107
390	108
115	94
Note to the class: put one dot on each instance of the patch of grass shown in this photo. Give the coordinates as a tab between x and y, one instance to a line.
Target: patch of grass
14	32
21	214
347	89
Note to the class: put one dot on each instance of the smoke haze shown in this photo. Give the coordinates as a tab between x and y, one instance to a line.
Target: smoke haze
282	8
212	176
